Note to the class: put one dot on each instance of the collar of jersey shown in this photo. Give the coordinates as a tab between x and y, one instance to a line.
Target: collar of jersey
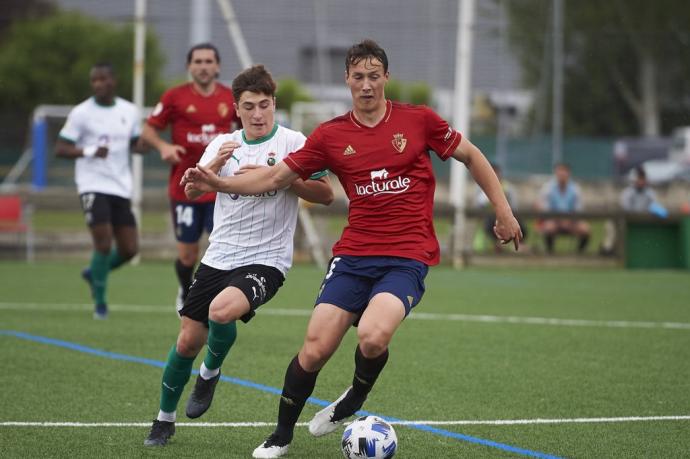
103	105
260	139
386	116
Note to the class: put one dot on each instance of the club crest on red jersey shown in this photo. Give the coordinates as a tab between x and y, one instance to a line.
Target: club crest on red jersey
223	109
399	142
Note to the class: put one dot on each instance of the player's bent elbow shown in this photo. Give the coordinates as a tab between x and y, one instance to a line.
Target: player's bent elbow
327	198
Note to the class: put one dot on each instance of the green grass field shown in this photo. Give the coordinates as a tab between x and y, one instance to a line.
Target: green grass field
480	350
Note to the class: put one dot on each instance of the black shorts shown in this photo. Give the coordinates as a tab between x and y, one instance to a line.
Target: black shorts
258	283
102	208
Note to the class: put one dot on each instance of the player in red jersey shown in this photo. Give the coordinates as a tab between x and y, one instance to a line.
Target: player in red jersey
197	112
380	153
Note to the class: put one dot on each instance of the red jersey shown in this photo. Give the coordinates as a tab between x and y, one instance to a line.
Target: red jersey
387	175
195	121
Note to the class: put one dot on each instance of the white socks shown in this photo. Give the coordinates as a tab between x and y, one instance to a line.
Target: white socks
168	417
206	373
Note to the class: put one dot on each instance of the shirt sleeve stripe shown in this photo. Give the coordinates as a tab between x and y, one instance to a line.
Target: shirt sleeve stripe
457	138
318	175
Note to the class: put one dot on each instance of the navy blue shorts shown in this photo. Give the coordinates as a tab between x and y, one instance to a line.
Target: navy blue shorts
351	281
190	219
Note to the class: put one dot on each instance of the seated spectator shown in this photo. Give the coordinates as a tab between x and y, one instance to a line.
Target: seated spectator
561	194
638	197
481	201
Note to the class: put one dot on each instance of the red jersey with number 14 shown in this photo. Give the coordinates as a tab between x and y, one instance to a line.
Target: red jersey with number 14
387	175
195	121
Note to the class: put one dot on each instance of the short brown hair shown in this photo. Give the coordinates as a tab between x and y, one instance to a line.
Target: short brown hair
255	79
366	49
202	46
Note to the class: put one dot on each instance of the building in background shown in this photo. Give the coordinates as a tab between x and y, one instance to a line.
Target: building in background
308	39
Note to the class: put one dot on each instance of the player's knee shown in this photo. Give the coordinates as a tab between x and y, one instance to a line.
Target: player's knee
372	342
188	345
226	311
102	247
187	259
314	355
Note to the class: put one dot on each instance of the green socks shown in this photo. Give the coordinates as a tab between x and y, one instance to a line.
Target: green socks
100	266
178	368
114	259
221	337
175	376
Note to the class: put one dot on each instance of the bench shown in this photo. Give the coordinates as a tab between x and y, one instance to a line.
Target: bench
15	219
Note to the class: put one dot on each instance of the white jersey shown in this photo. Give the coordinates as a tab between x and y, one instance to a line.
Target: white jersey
255	229
114	126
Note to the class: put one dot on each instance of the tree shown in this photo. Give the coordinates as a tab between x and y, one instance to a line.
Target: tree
289	91
14	10
47	61
626	62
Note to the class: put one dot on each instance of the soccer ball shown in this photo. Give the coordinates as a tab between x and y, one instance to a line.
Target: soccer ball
369	437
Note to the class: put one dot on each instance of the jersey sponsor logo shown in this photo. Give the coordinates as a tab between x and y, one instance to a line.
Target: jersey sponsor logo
207	134
265	195
380	174
349	151
381	185
223	109
399	142
190	109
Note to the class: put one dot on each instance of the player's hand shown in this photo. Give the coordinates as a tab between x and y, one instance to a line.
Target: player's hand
247	168
197	186
224	154
507	229
171	153
202	178
93	151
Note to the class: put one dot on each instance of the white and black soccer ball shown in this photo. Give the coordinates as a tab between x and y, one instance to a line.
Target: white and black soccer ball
369	437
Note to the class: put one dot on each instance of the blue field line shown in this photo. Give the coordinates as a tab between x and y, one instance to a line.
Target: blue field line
273	390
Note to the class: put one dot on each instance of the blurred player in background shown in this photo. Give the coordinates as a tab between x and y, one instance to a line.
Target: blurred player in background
250	248
197	112
98	134
380	153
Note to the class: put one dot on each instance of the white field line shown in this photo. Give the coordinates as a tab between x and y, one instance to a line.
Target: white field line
498	422
414	316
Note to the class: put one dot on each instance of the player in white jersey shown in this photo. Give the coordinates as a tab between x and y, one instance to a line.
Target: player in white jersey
250	249
100	133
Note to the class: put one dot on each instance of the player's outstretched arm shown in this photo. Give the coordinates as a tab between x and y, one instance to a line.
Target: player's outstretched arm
318	191
254	181
506	228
